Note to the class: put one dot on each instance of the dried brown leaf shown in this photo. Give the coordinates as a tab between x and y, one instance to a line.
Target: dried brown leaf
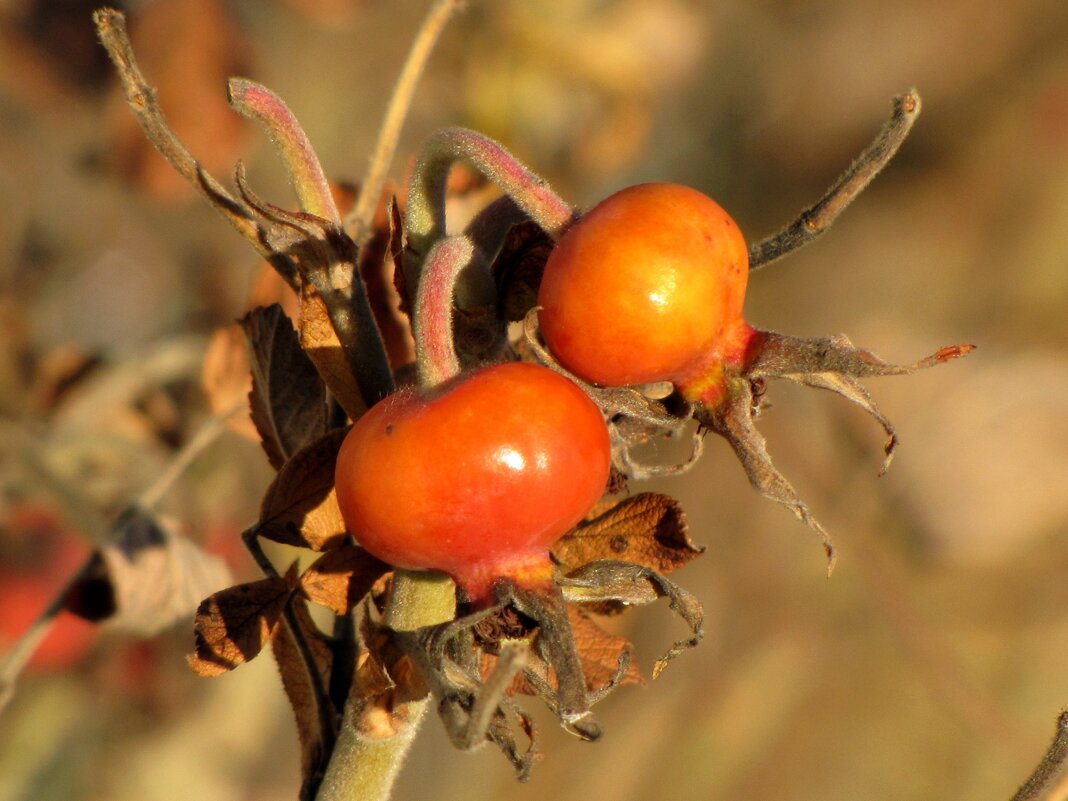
518	269
288	398
300	507
601	652
340	578
647	529
378	262
320	341
233	625
305	661
226	378
146	578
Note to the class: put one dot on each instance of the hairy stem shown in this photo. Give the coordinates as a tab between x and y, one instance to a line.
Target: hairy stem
363	766
1050	773
435	352
359	220
111	27
426	194
257	102
817	218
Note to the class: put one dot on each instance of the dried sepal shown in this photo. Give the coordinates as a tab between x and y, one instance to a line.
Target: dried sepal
831	363
288	398
635	415
632	584
300	507
474	709
733	420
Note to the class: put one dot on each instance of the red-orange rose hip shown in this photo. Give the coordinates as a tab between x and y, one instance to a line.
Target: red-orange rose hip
647	286
477	478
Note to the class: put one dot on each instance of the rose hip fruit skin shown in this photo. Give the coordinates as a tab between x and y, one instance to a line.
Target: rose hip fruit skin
647	286
478	477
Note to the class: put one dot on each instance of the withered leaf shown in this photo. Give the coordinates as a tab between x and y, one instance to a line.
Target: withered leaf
233	625
647	529
320	341
518	268
288	398
305	661
300	507
226	380
146	578
340	578
378	261
634	584
601	652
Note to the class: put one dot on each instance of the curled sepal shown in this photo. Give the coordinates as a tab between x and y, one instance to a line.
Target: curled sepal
635	415
571	701
624	582
733	420
473	711
835	364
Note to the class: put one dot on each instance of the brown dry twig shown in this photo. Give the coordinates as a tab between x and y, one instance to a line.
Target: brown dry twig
817	218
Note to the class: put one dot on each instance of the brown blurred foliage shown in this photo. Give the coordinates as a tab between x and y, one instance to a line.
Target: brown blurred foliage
930	666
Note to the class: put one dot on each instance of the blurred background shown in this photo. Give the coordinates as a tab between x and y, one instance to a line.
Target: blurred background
933	663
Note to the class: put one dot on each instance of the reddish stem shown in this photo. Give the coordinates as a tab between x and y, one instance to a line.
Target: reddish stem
426	194
257	102
435	351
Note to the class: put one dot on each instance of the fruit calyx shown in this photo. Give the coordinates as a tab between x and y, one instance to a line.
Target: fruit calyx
831	363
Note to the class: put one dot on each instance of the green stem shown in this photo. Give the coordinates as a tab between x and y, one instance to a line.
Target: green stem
364	767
